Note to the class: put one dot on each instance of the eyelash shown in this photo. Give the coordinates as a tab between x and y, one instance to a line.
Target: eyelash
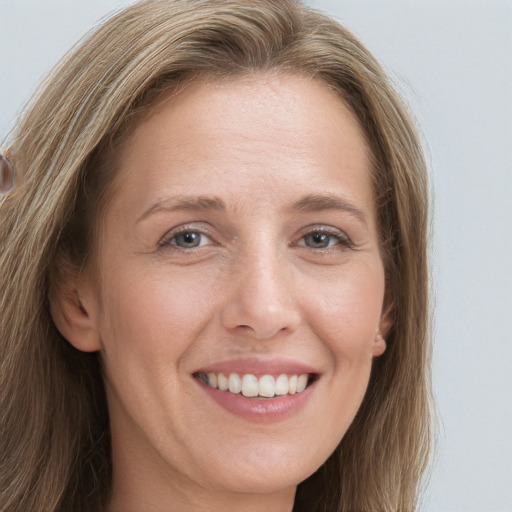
341	238
167	240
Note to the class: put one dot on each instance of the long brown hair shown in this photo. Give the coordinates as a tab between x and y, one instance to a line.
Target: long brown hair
55	432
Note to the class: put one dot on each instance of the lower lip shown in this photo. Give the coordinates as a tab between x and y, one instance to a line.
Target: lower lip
266	410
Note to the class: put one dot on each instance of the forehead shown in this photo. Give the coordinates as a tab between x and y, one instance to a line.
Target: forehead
246	135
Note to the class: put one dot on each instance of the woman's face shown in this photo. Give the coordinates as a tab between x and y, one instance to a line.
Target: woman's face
240	248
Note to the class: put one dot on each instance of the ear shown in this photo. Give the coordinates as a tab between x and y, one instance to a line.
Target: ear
74	309
386	321
379	345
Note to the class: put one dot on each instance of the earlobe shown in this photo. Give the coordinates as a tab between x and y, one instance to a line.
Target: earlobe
379	345
74	313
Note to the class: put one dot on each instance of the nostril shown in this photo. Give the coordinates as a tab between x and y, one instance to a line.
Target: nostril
260	332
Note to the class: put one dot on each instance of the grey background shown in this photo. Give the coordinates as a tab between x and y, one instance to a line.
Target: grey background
452	61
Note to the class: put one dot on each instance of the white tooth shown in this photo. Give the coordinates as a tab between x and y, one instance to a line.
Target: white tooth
281	385
235	384
212	380
302	382
292	384
266	386
249	385
222	382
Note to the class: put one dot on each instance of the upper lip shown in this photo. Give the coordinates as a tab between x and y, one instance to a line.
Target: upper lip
258	366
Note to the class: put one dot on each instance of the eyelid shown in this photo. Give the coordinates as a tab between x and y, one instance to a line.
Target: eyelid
165	241
328	230
344	239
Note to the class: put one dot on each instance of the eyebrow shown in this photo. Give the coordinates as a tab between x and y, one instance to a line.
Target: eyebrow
185	203
322	202
309	203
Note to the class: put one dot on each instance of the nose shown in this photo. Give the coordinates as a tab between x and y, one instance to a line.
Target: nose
261	301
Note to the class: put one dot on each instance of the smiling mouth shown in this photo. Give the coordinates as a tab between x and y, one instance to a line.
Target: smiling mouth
250	386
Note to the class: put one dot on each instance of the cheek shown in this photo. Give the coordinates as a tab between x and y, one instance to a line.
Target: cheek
346	318
155	314
150	323
346	313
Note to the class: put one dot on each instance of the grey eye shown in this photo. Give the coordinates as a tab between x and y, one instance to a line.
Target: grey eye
320	240
188	239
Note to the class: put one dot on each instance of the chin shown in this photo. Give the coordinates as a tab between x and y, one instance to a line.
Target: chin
267	469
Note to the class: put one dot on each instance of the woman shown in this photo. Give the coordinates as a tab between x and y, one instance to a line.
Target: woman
215	291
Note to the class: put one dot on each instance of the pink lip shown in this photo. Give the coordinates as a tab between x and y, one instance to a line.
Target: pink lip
259	367
260	410
267	410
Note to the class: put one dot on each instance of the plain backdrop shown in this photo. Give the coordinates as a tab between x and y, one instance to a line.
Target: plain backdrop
451	59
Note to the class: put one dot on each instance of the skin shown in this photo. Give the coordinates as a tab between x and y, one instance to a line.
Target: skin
255	286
